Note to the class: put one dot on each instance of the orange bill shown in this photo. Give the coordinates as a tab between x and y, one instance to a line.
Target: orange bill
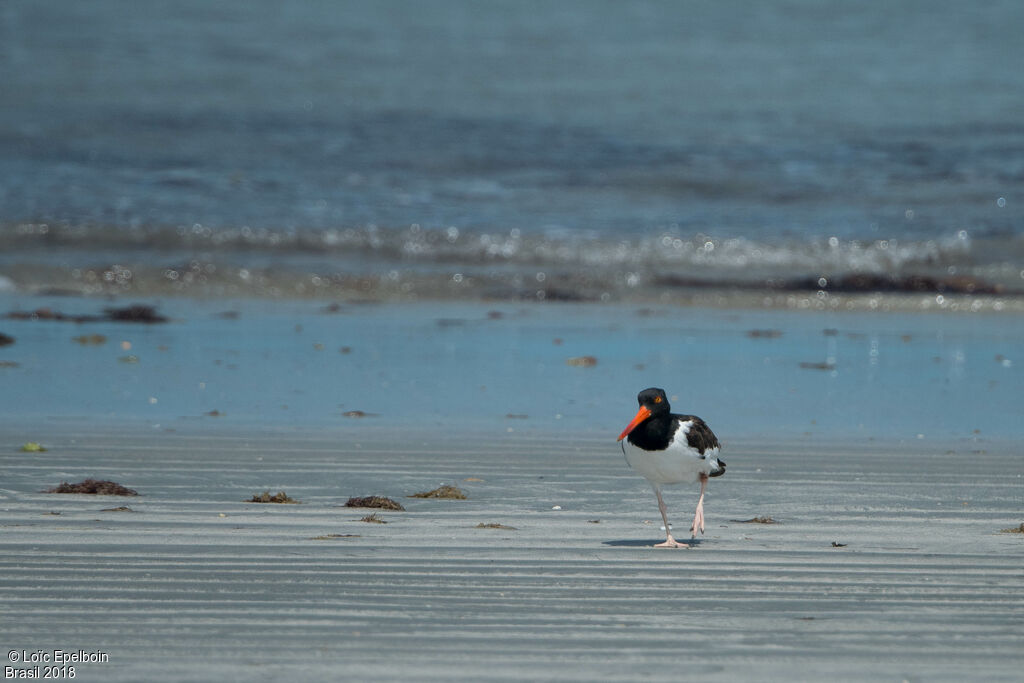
641	415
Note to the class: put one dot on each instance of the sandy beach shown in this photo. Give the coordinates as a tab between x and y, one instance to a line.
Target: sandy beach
311	252
890	473
193	584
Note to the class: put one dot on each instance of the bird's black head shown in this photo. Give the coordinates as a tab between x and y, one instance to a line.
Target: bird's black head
655	400
653	404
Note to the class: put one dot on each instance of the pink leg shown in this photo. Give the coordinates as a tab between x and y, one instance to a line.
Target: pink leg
698	516
669	541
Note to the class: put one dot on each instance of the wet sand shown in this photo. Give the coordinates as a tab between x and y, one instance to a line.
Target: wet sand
194	584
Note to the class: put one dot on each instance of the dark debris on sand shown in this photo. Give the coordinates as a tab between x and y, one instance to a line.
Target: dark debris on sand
374	502
327	537
869	282
135	313
90	339
764	334
98	487
45	314
358	414
822	365
447	492
756	520
265	497
556	294
856	283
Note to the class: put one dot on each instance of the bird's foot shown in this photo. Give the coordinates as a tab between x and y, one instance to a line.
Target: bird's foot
671	543
698	521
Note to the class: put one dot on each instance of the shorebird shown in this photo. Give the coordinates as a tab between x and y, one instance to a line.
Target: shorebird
671	449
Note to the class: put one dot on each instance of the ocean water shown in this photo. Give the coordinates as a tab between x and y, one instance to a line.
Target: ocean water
513	150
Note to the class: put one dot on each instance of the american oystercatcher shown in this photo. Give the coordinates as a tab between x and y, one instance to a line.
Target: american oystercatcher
671	449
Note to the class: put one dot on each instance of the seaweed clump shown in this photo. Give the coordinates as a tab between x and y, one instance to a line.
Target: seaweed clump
756	520
265	497
373	502
327	537
447	492
97	487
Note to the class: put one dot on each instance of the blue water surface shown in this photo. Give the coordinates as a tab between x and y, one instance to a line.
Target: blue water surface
508	367
769	121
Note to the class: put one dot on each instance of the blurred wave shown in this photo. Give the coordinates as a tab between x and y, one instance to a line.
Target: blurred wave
378	263
639	151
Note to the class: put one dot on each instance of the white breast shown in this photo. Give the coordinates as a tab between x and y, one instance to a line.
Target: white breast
677	464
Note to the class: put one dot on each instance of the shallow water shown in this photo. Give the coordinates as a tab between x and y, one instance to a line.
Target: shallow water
507	367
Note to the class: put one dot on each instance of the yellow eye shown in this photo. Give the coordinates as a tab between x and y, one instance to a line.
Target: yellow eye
657	399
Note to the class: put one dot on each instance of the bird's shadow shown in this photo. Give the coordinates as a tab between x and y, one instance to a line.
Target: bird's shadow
633	543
